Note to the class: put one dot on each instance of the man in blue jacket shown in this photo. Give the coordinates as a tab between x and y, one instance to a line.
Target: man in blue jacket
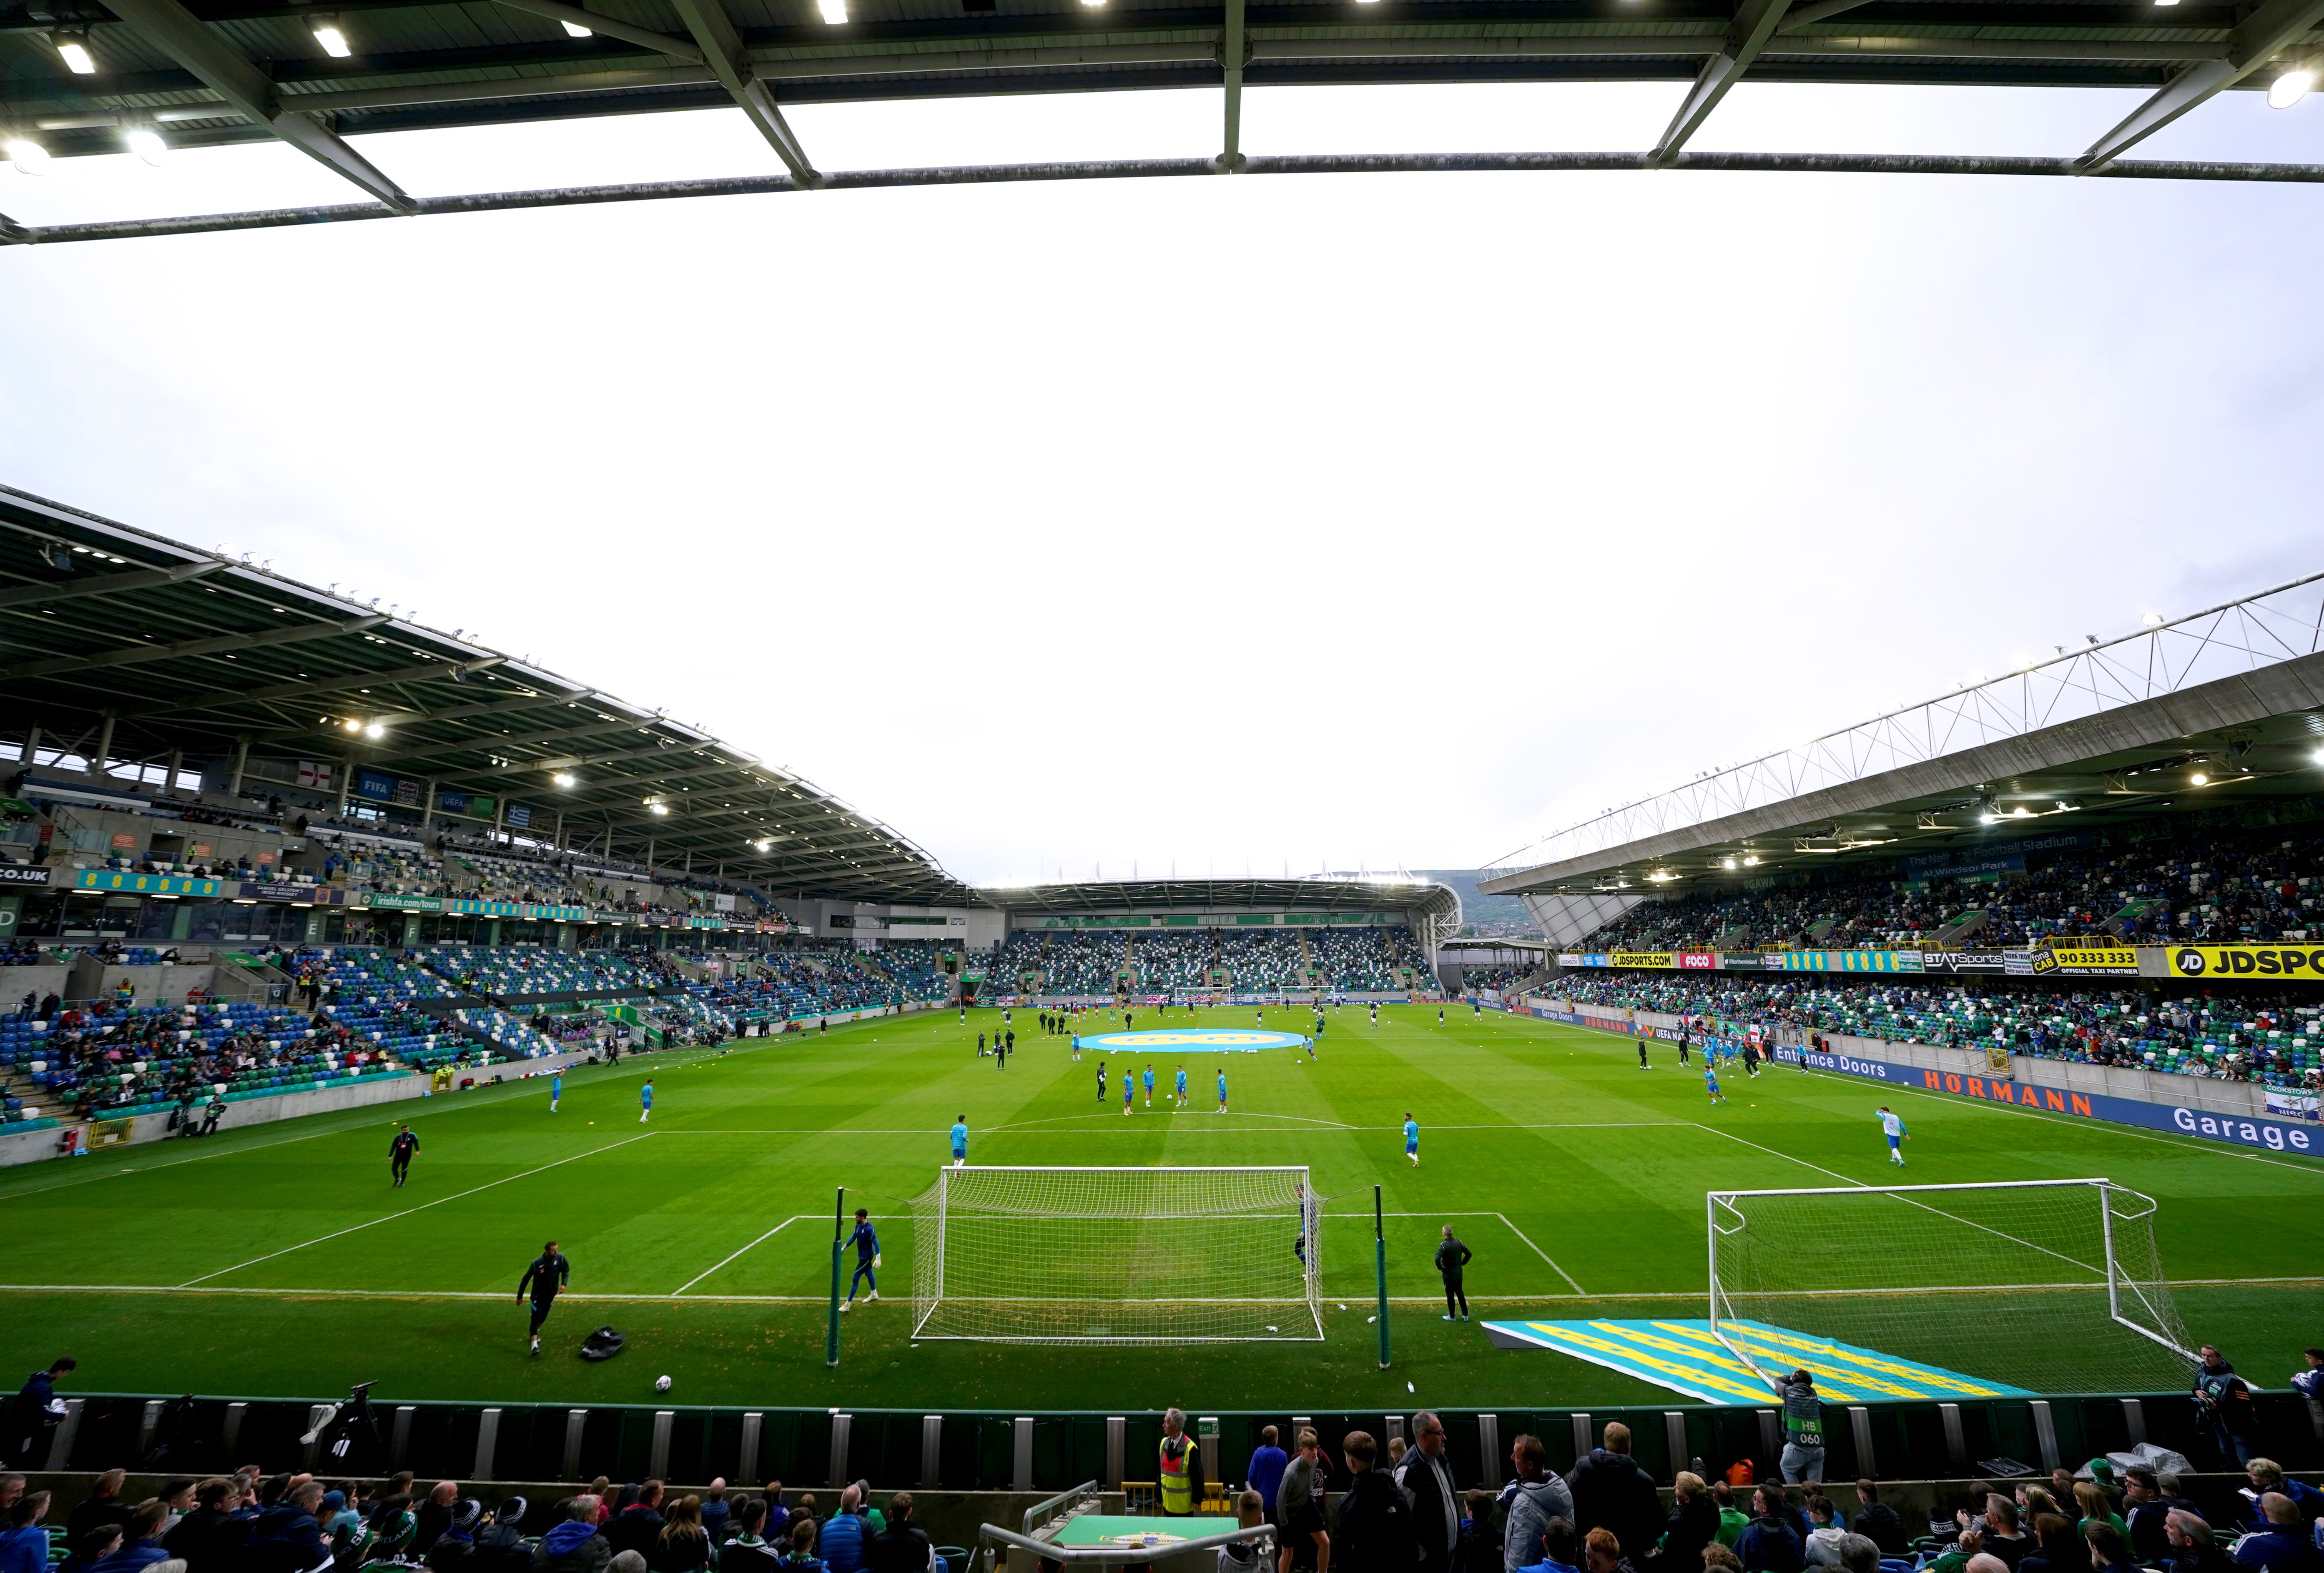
23	1544
841	1543
36	1412
288	1538
2285	1545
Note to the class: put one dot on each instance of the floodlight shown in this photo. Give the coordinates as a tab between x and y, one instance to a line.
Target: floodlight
2199	779
77	55
834	12
1726	862
147	144
354	725
659	807
1751	862
334	42
29	157
575	30
2290	88
563	778
2153	620
1988	817
374	731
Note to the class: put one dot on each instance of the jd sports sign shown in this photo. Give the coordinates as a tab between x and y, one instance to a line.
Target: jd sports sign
2295	962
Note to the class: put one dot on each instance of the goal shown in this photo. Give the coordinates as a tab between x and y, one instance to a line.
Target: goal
2053	1285
1158	1256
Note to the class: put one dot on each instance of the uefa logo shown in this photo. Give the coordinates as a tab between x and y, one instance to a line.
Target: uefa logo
2189	963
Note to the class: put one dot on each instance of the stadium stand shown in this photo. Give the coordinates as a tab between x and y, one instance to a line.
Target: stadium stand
2277	1040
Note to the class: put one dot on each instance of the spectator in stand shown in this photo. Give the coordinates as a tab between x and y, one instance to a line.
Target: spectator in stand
1719	1558
23	1544
717	1514
288	1538
2226	1403
209	1539
1611	1492
1425	1478
1558	1550
1529	1501
394	1525
2146	1507
1733	1520
1803	1430
501	1545
802	1558
141	1544
627	1562
2285	1545
95	1547
683	1546
748	1551
2309	1385
1692	1523
2265	1475
2091	1497
1770	1544
2110	1549
1374	1533
575	1545
638	1527
903	1546
1242	1555
1877	1521
1479	1548
778	1526
1602	1553
102	1506
435	1515
2003	1539
2193	1547
841	1541
177	1496
1265	1471
1299	1510
2057	1547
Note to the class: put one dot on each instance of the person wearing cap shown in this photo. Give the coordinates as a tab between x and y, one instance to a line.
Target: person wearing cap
500	1545
1802	1458
456	1548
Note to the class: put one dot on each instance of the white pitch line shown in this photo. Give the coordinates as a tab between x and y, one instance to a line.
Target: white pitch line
408	1212
1544	1255
771	1234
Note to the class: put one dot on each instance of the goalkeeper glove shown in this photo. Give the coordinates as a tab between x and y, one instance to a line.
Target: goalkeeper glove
875	1259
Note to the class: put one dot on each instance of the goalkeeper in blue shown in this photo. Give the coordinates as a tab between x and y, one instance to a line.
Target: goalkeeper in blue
1898	1135
867	1259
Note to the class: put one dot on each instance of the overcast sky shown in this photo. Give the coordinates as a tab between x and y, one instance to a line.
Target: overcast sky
1267	523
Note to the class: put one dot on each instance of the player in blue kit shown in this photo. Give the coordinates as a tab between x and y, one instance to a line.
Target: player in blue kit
1149	1086
1412	1138
555	1088
1710	1080
645	1102
867	1259
960	1142
1898	1135
1221	1108
1182	1086
1128	1091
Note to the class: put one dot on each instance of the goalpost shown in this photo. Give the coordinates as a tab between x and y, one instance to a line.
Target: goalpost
2053	1285
1090	1256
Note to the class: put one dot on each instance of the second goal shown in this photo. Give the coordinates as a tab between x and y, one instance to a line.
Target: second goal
1115	1255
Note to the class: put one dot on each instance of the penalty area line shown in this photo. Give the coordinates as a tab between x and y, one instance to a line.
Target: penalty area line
705	1273
408	1212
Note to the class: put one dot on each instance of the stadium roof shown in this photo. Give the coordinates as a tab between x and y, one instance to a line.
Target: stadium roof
203	72
1246	895
117	642
2221	707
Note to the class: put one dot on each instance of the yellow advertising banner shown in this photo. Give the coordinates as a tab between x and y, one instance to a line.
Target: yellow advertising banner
2287	962
1663	959
2122	963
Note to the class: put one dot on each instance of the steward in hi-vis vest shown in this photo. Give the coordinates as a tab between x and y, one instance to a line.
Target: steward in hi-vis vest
1182	1474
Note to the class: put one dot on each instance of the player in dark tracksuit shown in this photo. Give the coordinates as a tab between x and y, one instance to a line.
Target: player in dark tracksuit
398	1154
546	1275
1451	1256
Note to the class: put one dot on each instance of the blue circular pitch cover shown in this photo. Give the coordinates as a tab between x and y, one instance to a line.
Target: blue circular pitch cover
1198	1039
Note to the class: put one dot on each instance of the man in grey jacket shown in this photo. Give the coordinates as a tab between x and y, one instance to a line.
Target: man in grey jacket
1531	1500
1299	1511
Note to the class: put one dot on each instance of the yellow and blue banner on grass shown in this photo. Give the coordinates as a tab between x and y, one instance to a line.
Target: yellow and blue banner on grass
1683	1356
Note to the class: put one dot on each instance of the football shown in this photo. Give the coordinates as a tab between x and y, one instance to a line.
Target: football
662	1384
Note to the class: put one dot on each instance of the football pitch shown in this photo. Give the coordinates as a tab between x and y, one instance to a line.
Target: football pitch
277	1261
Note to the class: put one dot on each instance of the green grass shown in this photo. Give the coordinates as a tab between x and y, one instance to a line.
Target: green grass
277	1262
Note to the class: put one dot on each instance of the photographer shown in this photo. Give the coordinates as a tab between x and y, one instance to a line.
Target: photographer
2225	1405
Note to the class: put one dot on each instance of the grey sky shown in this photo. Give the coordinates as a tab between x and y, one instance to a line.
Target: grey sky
1351	520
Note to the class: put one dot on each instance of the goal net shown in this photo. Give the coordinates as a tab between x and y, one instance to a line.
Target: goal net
1118	1256
2053	1285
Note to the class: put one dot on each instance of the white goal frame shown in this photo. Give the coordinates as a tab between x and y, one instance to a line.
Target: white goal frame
930	1286
2116	1280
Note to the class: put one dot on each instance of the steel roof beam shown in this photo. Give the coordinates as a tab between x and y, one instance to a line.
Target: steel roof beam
499	742
134	655
106	584
722	47
438	670
2251	45
1755	25
610	26
416	717
187	39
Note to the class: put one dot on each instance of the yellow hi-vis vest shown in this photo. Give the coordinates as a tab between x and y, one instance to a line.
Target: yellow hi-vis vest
1178	1475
